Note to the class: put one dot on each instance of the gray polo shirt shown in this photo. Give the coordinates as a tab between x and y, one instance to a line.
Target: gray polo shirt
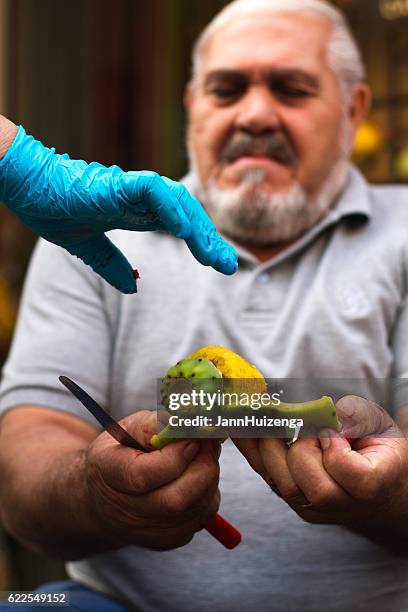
333	305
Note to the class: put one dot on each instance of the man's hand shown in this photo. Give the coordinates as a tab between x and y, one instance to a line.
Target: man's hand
158	499
72	204
357	478
75	493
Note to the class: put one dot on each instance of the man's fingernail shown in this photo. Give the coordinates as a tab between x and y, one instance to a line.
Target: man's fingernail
324	437
190	451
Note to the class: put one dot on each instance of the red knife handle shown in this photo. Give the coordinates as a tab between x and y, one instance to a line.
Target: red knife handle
224	532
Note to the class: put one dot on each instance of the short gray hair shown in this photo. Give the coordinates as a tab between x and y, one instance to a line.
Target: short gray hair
344	56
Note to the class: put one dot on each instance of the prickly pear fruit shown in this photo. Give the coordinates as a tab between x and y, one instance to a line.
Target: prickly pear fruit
213	367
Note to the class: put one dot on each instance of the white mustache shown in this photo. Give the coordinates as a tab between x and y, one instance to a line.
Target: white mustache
271	145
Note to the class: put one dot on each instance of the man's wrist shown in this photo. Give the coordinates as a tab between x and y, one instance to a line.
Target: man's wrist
64	525
94	534
8	131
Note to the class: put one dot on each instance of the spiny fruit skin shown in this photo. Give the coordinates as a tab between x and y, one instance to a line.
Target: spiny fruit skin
194	367
187	374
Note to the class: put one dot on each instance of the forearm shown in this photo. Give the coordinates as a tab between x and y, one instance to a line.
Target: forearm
8	130
44	500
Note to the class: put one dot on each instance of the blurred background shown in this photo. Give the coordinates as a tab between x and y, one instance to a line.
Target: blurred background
103	80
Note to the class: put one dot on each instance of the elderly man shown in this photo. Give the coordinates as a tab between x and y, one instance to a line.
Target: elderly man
276	97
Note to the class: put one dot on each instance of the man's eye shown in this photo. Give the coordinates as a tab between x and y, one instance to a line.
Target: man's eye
293	92
226	93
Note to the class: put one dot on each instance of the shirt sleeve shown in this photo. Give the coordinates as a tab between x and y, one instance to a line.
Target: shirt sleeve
63	328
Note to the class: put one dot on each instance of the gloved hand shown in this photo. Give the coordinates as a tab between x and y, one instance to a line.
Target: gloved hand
73	204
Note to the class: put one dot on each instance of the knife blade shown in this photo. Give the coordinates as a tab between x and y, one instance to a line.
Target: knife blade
116	431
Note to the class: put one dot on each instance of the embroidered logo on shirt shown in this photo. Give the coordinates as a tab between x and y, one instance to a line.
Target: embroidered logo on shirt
352	301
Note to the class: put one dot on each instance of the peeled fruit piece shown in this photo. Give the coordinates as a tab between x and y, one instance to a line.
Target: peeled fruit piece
240	374
230	364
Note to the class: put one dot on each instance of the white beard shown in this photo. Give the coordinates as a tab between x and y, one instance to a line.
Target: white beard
249	212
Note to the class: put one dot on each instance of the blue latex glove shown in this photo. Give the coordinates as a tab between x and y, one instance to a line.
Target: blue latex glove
73	204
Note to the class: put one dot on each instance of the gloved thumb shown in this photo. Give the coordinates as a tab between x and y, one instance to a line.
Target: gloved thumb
106	260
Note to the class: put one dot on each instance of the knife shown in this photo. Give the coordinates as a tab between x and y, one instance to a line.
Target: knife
107	422
219	528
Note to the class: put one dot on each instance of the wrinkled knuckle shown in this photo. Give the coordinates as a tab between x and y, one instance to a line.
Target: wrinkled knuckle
211	471
322	497
291	493
175	504
297	451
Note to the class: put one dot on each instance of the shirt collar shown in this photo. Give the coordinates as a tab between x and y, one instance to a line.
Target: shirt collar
354	199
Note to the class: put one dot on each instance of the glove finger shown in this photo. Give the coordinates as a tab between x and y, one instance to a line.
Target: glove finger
148	187
106	260
217	253
227	260
205	243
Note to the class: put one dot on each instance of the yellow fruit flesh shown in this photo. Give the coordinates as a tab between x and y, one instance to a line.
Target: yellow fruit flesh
230	364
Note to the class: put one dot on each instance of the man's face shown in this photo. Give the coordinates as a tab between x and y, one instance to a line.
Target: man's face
266	107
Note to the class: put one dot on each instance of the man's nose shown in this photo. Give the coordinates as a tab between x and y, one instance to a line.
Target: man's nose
258	111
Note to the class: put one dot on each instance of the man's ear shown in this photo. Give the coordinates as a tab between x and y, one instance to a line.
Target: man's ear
188	95
359	105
